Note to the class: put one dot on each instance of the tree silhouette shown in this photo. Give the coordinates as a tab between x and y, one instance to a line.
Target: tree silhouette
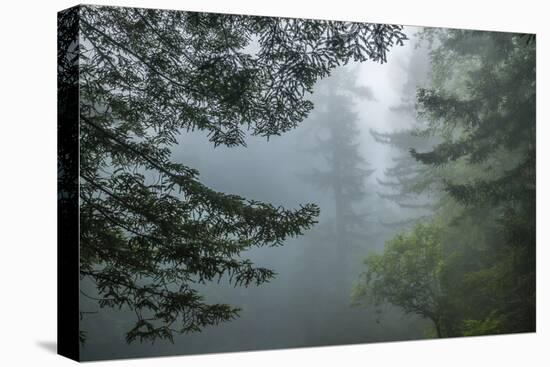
332	140
149	230
335	133
408	180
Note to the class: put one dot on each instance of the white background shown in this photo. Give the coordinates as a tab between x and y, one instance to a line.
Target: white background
28	183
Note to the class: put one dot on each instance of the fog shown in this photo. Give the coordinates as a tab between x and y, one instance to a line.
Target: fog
305	305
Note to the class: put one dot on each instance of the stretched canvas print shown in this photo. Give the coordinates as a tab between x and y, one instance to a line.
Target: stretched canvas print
236	182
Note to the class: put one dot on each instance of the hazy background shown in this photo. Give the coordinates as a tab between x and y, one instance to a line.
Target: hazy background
303	305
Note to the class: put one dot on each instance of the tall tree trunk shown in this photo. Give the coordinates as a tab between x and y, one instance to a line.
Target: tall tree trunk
339	214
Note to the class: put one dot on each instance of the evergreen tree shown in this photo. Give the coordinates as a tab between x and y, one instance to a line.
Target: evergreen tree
481	108
490	123
407	182
345	172
333	142
149	229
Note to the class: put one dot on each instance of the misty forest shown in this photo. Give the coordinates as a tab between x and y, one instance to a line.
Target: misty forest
255	182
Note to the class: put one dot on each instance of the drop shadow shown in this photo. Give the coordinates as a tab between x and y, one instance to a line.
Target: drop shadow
48	345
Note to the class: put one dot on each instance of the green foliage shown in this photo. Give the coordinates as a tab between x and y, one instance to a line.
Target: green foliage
479	121
489	126
481	107
149	229
410	273
489	326
214	72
